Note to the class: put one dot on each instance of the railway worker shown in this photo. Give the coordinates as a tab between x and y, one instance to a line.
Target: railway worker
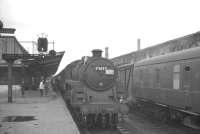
41	87
121	101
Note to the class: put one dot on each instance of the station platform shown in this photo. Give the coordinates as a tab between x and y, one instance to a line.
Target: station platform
33	114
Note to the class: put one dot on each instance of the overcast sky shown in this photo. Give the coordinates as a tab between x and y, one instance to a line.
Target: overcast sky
78	26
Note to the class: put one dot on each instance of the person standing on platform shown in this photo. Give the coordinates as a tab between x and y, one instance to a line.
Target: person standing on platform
41	87
22	88
46	87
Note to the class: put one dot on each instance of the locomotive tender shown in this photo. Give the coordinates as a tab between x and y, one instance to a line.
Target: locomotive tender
171	82
90	88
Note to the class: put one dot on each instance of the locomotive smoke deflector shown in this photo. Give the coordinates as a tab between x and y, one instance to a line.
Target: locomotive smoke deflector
97	53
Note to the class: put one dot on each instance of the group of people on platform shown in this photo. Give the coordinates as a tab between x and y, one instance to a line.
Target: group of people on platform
43	87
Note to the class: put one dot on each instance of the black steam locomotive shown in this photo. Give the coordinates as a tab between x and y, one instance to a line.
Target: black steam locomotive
91	89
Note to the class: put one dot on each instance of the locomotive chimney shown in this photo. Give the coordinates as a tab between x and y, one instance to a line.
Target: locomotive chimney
138	44
106	52
96	52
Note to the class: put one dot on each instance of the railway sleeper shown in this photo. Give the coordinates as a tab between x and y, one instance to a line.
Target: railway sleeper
99	120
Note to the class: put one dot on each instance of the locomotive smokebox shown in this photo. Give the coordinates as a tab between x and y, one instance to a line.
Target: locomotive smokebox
97	53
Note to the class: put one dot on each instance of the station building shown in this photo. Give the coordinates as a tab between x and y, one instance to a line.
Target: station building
186	42
10	45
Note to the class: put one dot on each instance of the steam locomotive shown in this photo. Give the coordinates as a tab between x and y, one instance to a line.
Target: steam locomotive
91	90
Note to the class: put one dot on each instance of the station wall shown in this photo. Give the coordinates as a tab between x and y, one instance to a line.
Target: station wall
186	42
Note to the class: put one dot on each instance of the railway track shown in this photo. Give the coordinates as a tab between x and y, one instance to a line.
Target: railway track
123	130
102	132
119	130
140	123
94	131
146	124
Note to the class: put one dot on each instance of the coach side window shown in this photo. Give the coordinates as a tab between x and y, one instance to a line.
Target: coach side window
157	77
141	78
119	75
176	76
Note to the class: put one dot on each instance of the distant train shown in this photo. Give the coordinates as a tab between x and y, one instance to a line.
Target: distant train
91	89
169	82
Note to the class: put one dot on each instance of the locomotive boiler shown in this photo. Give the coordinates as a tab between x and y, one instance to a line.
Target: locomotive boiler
90	87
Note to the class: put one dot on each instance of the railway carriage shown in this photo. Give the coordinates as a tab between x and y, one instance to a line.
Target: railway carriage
172	82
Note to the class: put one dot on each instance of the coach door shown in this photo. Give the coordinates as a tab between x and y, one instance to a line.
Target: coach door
177	96
129	79
187	81
194	89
